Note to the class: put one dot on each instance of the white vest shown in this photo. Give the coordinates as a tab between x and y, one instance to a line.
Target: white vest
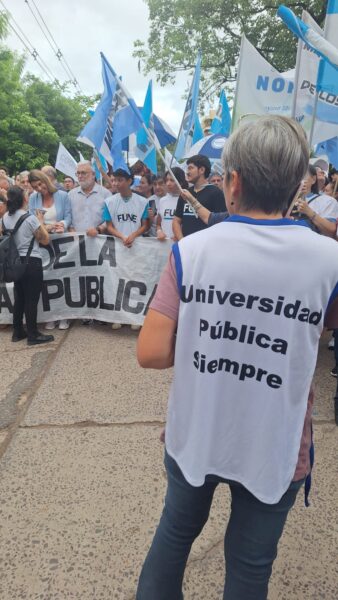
253	299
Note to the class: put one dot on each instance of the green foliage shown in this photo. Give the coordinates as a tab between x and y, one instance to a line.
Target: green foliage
180	27
35	116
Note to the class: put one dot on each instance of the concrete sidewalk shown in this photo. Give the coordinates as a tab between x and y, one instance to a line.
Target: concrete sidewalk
82	480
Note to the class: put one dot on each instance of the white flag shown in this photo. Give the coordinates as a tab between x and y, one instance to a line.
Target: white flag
305	92
65	162
261	89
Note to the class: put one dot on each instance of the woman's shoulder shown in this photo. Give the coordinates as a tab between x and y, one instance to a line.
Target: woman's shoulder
33	198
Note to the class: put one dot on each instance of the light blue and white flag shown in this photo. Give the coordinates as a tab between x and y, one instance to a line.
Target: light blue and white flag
328	75
184	142
330	149
323	48
222	120
115	118
145	149
198	131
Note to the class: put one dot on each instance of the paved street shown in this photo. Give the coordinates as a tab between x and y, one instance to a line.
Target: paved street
82	480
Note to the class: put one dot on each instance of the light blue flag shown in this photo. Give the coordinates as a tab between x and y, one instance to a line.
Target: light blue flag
145	149
198	131
316	42
327	75
185	137
330	148
115	118
222	121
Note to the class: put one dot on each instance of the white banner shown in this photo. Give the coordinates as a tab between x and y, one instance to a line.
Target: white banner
95	278
305	93
65	163
261	89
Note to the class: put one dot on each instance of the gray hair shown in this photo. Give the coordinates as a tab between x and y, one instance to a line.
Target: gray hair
271	156
49	171
23	174
86	162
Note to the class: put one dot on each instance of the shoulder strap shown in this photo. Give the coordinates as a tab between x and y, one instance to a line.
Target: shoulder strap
29	251
312	199
19	222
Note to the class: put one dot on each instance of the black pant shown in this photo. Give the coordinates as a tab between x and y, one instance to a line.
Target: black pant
26	297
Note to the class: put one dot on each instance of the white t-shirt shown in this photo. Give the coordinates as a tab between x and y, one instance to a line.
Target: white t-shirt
126	215
253	298
325	206
23	236
50	216
166	210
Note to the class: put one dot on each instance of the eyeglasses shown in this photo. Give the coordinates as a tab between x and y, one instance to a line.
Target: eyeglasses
82	172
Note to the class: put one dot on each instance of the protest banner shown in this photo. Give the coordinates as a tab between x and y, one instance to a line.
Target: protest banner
95	278
261	89
306	102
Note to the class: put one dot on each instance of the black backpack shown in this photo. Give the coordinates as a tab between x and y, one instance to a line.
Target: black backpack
11	267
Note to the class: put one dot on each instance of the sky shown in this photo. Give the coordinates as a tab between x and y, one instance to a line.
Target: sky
84	28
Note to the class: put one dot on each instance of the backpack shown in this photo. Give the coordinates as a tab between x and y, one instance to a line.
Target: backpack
11	267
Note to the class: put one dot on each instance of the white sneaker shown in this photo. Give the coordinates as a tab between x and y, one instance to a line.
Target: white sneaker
51	325
64	324
135	327
331	344
116	326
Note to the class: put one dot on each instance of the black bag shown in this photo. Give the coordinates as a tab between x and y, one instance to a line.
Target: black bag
11	267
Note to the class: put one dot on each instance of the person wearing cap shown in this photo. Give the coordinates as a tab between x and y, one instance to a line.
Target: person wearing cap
126	215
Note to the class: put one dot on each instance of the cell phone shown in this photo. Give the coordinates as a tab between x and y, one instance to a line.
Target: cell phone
152	205
41	210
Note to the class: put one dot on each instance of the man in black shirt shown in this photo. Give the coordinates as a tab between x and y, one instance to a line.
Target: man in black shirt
186	220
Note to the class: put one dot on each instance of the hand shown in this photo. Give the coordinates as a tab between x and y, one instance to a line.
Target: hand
303	207
128	241
92	232
161	235
188	196
59	227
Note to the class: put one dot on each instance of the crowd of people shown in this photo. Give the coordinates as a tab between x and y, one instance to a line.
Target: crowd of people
168	206
250	276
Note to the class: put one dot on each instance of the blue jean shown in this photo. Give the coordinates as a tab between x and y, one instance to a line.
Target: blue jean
250	544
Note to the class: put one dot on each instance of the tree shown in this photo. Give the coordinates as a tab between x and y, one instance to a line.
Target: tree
35	116
67	116
180	27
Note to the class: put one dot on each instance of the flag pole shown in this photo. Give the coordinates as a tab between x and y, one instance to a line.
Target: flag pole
295	198
297	69
237	80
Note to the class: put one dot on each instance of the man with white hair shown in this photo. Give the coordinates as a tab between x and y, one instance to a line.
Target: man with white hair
87	202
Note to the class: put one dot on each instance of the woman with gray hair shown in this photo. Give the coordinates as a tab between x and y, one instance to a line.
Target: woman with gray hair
239	314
